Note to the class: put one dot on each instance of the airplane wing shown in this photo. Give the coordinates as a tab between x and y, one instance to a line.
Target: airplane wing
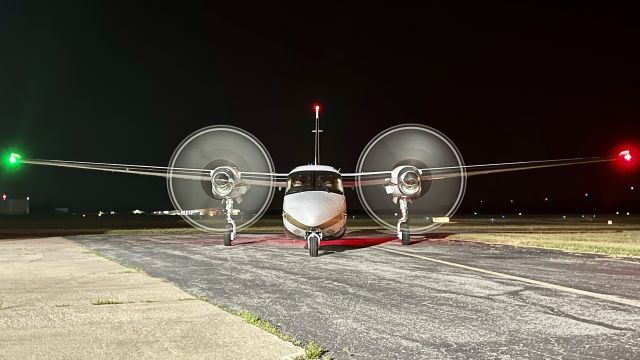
349	179
473	170
250	178
380	177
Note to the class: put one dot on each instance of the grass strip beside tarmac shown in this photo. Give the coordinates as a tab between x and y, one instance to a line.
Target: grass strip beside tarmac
624	243
312	350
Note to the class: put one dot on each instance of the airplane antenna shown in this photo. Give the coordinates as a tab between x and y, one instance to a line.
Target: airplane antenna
317	131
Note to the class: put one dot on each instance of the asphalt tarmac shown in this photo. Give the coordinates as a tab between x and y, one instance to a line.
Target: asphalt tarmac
435	299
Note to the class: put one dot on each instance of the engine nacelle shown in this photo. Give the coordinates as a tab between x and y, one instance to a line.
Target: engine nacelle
226	183
405	182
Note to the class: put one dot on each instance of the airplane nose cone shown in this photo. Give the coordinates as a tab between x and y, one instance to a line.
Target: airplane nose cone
314	208
315	214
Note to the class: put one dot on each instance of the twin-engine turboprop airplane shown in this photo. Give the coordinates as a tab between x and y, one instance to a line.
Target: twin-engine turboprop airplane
405	166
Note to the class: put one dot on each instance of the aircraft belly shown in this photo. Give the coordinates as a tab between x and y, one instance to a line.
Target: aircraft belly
298	231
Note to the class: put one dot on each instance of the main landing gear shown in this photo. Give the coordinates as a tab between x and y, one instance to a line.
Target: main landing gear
230	228
403	227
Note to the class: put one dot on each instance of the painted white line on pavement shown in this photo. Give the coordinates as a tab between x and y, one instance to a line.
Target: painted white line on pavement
567	289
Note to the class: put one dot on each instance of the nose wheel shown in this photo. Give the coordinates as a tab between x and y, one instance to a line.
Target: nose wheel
313	242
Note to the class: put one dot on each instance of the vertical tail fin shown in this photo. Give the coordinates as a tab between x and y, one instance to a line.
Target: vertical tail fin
316	159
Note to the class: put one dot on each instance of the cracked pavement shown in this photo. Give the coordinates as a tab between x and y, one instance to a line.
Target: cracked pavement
366	303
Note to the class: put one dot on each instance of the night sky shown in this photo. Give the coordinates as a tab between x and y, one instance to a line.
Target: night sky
125	83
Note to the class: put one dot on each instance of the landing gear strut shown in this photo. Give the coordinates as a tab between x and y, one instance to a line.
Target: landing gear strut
403	227
230	228
313	242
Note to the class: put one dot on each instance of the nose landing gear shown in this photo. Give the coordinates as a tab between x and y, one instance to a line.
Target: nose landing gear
313	238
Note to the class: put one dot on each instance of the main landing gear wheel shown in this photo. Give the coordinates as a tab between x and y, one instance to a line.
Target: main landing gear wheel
404	229
227	235
210	148
426	149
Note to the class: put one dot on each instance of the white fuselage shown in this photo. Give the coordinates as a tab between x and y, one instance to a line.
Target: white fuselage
314	201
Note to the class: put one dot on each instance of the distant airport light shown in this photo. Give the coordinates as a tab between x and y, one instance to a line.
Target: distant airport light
546	199
617	212
4	197
632	188
28	198
628	213
586	194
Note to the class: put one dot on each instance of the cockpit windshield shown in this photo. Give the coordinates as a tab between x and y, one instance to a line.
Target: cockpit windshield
314	181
